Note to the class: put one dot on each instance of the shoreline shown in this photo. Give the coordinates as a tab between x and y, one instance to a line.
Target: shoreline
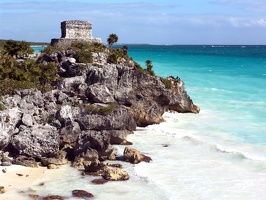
19	179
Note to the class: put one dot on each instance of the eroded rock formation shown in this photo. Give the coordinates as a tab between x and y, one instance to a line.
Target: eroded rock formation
94	106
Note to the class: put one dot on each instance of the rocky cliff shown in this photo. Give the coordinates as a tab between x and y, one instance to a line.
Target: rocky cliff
93	106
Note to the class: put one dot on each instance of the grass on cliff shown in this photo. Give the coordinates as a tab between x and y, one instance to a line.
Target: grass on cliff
81	51
101	110
30	73
168	83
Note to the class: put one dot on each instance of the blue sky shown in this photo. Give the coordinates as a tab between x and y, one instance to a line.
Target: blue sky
141	21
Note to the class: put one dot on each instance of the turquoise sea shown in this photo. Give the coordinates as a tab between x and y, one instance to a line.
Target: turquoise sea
38	48
223	80
219	153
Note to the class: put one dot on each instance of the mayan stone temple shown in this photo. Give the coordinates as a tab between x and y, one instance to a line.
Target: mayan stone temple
75	30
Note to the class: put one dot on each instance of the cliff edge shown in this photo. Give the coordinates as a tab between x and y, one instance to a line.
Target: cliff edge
93	104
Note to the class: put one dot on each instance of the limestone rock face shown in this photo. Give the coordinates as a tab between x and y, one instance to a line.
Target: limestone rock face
119	119
93	106
37	142
145	97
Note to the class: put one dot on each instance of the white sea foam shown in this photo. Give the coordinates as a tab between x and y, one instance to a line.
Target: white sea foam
190	160
187	168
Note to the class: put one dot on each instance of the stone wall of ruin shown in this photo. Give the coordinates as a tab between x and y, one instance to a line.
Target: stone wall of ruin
76	29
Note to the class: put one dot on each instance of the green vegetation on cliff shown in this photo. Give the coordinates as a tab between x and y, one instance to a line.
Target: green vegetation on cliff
27	73
24	73
16	48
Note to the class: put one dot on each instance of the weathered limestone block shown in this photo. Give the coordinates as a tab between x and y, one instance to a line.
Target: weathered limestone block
98	140
119	119
27	120
64	115
100	94
38	141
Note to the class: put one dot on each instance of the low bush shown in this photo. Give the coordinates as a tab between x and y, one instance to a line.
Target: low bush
2	107
101	110
83	56
168	83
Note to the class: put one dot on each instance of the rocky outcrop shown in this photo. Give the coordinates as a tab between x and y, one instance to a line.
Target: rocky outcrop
50	128
92	107
145	97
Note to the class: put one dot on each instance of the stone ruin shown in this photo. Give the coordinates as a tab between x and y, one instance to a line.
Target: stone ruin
75	30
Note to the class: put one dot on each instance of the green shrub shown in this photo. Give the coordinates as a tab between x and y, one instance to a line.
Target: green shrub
7	86
112	58
90	107
137	66
150	72
101	110
25	75
168	83
98	47
49	50
2	107
106	110
17	48
7	119
83	56
50	119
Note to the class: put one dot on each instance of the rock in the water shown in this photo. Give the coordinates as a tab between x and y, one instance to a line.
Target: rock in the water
99	181
82	194
134	156
52	166
93	166
115	174
34	196
53	197
2	189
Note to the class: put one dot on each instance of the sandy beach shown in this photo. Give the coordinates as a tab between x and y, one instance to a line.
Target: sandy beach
18	179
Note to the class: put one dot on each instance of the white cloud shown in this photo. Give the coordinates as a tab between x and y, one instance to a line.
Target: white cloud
258	6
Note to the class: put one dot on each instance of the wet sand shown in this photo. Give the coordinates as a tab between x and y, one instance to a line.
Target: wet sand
18	179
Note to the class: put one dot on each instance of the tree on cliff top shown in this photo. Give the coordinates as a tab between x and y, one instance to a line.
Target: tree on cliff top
148	65
113	38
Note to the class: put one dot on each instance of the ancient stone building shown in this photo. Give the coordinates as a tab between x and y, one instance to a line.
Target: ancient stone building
75	30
